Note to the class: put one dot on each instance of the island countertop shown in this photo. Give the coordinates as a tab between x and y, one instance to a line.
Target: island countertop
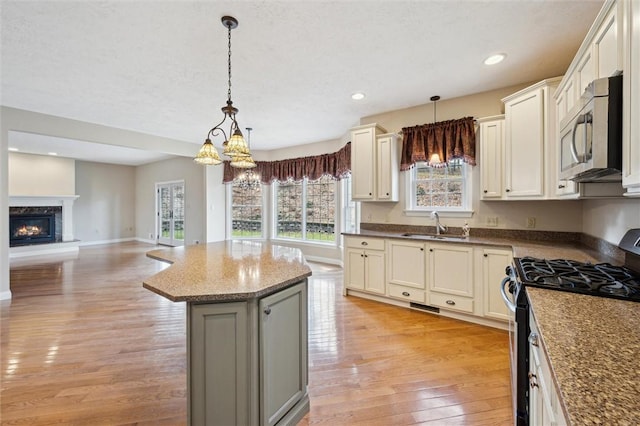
226	271
593	347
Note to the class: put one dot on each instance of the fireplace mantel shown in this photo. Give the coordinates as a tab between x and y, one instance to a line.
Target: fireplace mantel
66	201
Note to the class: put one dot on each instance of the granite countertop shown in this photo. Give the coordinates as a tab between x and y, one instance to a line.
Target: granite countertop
593	347
226	271
520	247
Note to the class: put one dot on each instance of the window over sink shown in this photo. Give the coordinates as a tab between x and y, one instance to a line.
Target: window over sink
445	189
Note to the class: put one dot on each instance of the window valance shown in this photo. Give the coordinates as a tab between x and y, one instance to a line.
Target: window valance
448	139
336	164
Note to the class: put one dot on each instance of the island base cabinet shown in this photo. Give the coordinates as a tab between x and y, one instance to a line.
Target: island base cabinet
247	361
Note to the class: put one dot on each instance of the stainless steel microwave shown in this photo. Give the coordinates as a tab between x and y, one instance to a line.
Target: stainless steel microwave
591	134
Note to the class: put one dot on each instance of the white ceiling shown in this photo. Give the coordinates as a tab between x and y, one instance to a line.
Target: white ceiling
159	67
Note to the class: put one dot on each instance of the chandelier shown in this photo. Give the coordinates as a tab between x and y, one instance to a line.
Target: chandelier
247	179
234	146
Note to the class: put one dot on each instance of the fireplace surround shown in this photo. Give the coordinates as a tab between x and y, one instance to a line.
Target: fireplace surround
34	225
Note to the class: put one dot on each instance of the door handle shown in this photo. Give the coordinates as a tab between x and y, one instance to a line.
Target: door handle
503	293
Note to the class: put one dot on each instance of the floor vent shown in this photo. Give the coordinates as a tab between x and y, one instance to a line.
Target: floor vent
425	307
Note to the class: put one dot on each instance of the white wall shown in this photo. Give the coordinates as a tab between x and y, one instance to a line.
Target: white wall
41	175
176	169
215	204
609	219
105	210
550	215
5	292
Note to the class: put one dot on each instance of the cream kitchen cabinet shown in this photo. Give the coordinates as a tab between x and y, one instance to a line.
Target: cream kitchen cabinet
530	134
631	96
491	156
450	277
374	164
407	270
494	263
365	265
544	404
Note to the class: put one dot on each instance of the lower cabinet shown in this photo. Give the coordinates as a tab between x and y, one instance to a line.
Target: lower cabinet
248	360
462	280
365	265
544	403
494	263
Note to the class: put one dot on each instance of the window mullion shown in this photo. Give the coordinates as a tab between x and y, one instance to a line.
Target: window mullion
304	208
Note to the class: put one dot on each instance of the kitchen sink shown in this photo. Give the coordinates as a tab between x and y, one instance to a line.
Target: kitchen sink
433	236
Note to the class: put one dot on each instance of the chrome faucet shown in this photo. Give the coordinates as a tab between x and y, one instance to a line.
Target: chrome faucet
439	227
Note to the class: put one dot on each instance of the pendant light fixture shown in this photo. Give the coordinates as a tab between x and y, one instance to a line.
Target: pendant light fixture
247	179
234	146
244	162
435	158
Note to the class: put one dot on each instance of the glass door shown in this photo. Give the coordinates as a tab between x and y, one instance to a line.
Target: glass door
171	213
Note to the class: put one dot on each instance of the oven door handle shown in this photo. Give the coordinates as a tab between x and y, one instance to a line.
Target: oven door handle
505	297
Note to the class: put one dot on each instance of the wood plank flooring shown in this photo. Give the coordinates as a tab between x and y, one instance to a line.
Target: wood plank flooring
84	344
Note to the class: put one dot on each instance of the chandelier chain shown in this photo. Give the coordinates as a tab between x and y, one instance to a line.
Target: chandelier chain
229	62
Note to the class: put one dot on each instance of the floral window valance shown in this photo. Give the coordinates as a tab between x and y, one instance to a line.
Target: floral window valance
448	139
336	164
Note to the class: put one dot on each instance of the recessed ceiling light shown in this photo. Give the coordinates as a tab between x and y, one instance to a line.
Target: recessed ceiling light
53	153
13	149
495	59
358	96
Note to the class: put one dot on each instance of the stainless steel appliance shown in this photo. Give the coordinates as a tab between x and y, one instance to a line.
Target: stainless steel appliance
591	134
603	280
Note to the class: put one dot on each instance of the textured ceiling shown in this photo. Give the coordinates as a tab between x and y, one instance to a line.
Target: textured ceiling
160	67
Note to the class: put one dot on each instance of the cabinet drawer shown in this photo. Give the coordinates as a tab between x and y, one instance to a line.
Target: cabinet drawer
406	293
448	301
365	243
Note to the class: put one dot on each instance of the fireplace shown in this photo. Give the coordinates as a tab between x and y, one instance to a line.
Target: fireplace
32	228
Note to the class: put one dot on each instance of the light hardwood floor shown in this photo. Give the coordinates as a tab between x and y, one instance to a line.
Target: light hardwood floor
83	343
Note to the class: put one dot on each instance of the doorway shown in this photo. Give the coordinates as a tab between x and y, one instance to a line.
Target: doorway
170	213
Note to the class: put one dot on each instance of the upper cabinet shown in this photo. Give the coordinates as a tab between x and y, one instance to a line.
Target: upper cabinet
530	135
491	156
631	96
374	164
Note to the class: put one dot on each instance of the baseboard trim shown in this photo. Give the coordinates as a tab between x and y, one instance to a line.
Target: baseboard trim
328	260
99	242
146	240
5	295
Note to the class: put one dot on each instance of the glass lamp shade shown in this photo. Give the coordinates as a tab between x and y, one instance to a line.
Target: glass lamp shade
208	155
237	146
243	162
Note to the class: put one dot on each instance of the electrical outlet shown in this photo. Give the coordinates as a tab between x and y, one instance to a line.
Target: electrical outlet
531	222
492	221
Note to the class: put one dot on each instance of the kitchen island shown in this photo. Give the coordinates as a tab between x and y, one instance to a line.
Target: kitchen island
246	329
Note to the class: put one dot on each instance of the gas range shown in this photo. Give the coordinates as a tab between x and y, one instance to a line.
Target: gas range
601	279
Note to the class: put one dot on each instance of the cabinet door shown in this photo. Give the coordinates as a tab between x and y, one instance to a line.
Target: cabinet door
491	142
362	163
283	350
374	271
386	182
451	269
631	105
585	72
562	187
218	390
407	264
354	269
524	134
607	46
494	263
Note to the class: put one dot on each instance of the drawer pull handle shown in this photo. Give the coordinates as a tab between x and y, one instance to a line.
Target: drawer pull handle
450	302
364	243
560	186
406	293
267	310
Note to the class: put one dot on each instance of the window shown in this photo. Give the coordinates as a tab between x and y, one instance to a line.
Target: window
246	209
306	210
439	188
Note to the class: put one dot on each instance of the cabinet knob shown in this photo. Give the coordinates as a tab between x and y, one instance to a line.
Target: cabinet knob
560	186
366	255
364	243
430	249
508	190
369	193
267	310
485	255
406	293
387	194
485	191
421	248
362	255
450	302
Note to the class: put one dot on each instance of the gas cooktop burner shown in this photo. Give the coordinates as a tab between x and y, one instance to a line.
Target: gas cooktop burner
602	279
